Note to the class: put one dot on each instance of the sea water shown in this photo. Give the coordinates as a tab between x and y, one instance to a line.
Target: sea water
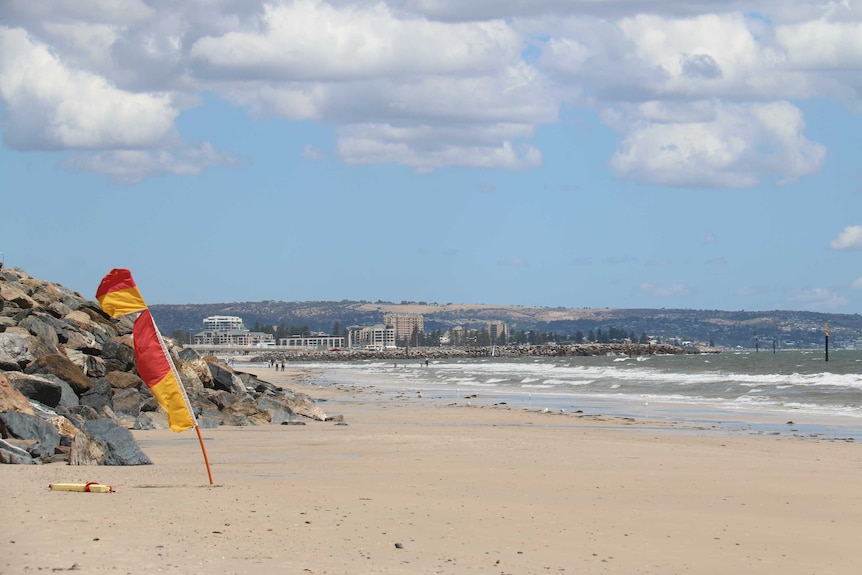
746	386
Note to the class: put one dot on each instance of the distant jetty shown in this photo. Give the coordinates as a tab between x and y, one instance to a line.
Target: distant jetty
509	351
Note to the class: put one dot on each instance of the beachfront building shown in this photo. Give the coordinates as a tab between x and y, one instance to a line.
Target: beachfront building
223	323
230	330
498	332
405	324
317	340
238	337
378	336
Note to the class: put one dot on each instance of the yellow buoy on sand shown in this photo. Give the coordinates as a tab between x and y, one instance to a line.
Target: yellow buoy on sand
91	487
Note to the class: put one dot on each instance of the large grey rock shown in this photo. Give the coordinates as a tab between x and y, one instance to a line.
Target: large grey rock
22	426
188	354
103	442
246	414
225	379
11	398
62	367
14	455
119	354
302	405
278	408
127	402
43	331
14	351
38	388
101	394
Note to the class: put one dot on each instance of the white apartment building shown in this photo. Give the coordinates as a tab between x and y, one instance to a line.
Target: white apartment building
374	337
312	341
238	337
223	323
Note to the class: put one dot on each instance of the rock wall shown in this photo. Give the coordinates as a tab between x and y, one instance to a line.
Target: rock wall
69	389
420	353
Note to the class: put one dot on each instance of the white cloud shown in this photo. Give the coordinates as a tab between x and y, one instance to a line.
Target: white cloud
513	262
423	148
857	283
316	41
849	239
706	84
729	145
131	166
50	106
820	299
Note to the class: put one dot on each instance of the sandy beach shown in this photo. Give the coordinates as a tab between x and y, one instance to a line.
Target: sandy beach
411	485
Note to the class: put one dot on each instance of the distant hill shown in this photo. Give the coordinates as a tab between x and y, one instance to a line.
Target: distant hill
724	328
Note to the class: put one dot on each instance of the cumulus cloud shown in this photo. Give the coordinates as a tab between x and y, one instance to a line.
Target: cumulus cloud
699	92
50	106
857	283
716	145
849	239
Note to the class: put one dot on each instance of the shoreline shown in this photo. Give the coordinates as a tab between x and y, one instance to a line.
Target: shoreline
674	416
409	485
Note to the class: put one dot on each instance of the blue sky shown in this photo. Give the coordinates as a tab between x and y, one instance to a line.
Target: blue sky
553	153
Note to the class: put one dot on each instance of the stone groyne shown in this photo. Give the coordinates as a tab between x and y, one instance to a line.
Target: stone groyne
509	351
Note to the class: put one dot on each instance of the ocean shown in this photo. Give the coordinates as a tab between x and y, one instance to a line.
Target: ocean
759	391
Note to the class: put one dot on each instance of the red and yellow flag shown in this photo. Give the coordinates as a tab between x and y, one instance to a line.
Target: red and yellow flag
155	369
118	295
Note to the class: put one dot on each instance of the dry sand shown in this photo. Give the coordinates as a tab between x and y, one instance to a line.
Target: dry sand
414	486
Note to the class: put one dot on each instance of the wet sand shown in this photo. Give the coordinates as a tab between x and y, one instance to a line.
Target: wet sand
411	485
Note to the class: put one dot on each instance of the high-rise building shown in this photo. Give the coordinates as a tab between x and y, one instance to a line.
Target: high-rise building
405	325
498	331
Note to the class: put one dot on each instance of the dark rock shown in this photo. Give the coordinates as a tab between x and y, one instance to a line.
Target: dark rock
103	442
119	353
62	367
126	402
222	399
99	395
38	388
14	455
225	379
123	380
11	398
80	413
95	366
188	354
278	408
46	336
22	426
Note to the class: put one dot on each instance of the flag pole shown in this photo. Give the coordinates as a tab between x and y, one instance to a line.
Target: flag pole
185	397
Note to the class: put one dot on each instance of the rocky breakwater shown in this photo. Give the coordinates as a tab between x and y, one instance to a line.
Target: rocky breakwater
70	392
432	353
